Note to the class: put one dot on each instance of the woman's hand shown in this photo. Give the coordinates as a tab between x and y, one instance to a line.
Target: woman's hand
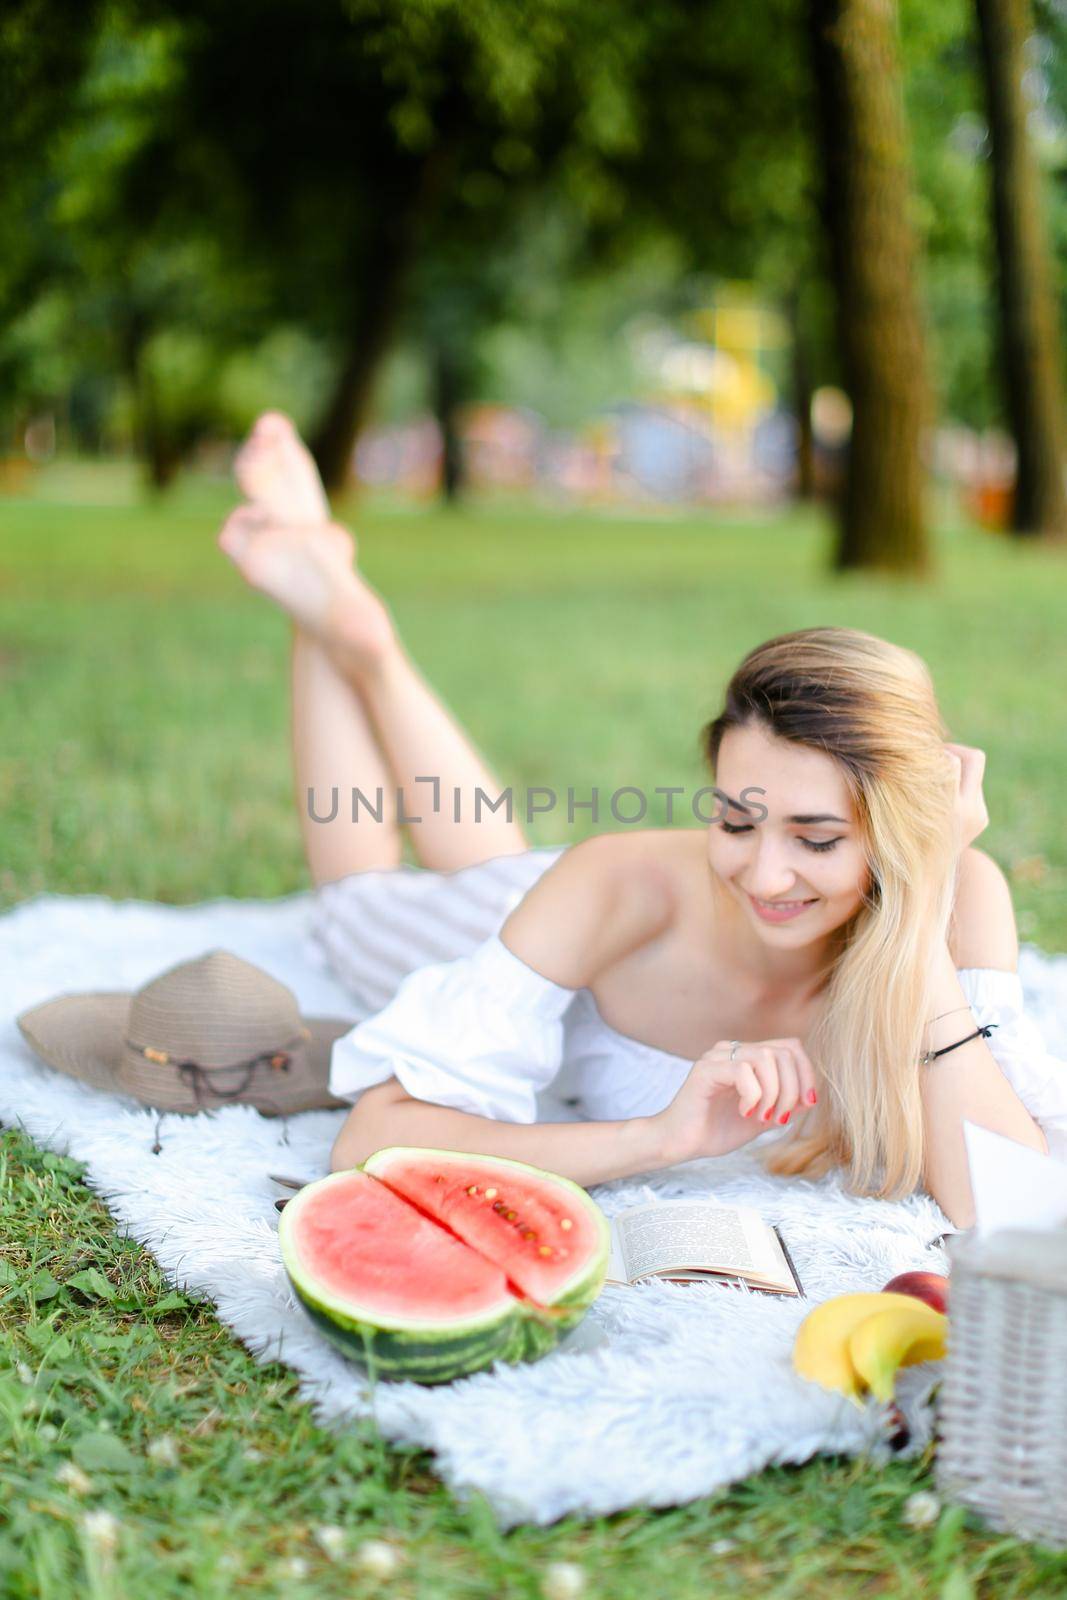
724	1104
971	815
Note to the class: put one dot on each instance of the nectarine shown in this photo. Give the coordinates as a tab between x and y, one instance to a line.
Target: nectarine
928	1286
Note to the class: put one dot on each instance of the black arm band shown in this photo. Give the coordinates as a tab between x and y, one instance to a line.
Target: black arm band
932	1055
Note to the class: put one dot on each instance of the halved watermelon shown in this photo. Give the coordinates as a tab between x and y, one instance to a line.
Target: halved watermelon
432	1264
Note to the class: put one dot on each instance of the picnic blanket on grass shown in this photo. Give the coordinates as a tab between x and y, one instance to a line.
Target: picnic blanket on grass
664	1393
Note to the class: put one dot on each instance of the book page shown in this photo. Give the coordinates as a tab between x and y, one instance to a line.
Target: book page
616	1272
693	1234
779	1276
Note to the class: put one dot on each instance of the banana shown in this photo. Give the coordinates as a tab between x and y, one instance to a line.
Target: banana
896	1338
821	1349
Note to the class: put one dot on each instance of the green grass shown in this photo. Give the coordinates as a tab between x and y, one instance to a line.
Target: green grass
144	752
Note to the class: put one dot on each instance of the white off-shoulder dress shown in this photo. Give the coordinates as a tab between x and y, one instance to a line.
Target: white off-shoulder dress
460	1021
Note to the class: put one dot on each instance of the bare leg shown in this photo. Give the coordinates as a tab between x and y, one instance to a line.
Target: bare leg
423	741
335	746
362	715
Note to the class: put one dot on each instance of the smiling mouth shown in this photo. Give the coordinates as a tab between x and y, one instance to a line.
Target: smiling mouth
781	905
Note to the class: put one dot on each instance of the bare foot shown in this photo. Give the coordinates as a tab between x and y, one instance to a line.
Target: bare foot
308	570
275	470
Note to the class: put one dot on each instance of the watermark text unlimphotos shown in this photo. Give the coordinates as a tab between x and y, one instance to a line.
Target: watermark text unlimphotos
627	805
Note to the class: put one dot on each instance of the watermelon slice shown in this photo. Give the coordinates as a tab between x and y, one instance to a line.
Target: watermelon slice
432	1264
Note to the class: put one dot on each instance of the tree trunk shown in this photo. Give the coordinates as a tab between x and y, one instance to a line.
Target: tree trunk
447	394
800	364
377	304
866	213
158	454
1029	324
379	307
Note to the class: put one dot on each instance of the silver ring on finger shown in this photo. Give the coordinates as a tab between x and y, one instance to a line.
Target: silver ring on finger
735	1045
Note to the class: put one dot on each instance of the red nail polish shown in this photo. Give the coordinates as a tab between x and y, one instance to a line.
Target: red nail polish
812	1097
749	1112
767	1115
784	1117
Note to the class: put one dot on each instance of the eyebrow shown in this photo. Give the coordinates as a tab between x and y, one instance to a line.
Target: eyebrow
806	820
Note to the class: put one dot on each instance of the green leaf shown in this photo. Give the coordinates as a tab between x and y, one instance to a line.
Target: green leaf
44	1286
8	1273
45	1340
854	1512
92	1282
957	1586
113	1341
102	1452
170	1302
948	1535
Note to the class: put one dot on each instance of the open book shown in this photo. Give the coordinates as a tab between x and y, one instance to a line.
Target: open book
688	1241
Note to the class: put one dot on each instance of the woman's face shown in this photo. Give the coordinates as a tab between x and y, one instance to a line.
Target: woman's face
795	880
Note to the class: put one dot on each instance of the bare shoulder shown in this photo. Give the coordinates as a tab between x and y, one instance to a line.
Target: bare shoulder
982	932
604	898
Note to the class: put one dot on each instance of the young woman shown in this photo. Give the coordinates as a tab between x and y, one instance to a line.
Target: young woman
817	966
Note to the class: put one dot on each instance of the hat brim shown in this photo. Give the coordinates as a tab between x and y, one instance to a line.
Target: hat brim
83	1035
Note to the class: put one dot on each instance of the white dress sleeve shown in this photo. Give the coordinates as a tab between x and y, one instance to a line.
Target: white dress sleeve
1038	1078
483	1033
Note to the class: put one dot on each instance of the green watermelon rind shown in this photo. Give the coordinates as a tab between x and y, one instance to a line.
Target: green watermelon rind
384	1354
432	1351
581	1289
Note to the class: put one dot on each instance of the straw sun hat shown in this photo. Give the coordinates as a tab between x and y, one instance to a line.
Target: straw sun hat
209	1032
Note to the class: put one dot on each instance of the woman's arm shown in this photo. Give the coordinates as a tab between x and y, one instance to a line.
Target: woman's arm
586	1152
968	1084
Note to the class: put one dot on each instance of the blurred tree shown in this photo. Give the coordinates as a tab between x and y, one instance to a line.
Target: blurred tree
872	248
948	147
1031	349
222	208
372	157
44	49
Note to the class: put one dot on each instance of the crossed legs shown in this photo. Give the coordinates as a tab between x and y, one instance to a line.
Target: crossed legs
363	716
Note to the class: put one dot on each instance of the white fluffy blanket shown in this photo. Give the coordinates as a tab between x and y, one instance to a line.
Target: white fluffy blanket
664	1392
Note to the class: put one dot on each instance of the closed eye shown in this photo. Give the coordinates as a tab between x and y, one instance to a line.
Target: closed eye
812	844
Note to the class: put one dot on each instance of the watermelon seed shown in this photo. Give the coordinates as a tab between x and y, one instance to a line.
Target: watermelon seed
473	1189
529	1233
565	1222
498	1205
490	1194
439	1179
509	1216
544	1249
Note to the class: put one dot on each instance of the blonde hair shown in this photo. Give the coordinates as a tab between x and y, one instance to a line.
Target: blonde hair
869	705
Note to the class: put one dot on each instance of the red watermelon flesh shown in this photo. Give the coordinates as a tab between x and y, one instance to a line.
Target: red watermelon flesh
350	1232
506	1210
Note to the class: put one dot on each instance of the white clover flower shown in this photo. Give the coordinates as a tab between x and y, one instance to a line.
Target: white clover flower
377	1558
330	1539
101	1528
722	1547
25	1373
71	1476
164	1450
563	1580
921	1510
296	1567
252	1454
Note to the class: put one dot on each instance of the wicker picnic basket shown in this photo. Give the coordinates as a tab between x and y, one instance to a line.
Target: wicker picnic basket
1002	1405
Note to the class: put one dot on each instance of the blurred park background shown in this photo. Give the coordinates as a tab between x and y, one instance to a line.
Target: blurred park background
611	255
